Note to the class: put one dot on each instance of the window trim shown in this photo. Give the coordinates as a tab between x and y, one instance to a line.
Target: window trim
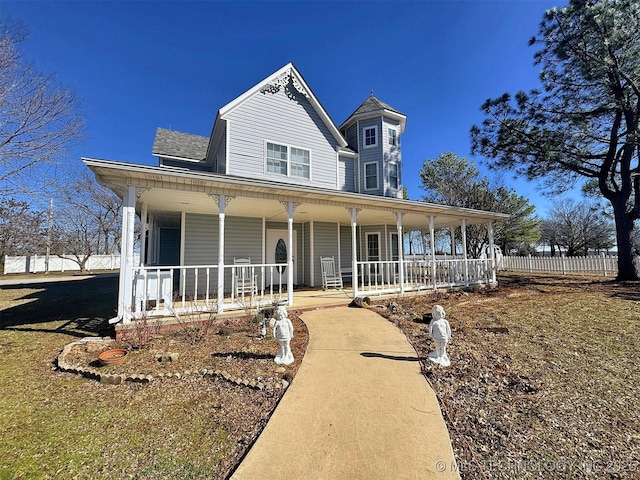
377	187
395	137
397	167
372	234
289	147
391	255
364	136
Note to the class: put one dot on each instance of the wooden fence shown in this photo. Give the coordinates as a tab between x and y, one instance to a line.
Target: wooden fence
605	265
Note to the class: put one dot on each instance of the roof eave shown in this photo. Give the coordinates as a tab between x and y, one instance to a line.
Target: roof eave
225	182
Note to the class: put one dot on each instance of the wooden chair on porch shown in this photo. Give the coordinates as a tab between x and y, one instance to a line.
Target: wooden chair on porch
244	282
331	278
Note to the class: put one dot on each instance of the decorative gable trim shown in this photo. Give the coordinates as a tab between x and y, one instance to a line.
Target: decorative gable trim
280	79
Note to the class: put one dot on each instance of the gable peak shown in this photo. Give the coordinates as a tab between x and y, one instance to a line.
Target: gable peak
287	76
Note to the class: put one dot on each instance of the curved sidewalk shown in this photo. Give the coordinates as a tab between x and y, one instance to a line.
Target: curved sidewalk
358	408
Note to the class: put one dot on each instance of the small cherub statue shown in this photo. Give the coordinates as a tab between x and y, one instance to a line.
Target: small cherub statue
283	332
440	332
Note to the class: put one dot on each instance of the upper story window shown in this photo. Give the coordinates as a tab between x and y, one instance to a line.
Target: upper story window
371	176
370	136
300	165
277	156
392	137
288	160
393	176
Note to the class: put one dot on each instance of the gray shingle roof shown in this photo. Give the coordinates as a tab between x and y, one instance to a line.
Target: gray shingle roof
177	144
372	104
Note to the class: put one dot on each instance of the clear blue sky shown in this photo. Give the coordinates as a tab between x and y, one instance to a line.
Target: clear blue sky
142	65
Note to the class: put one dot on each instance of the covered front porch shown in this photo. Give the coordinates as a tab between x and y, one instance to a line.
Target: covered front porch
170	294
220	243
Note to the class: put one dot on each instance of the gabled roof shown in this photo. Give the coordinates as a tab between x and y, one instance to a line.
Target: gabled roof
372	107
169	143
288	73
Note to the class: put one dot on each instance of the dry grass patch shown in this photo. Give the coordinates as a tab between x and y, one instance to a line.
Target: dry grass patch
544	380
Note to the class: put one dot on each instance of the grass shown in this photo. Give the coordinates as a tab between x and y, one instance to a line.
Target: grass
551	393
57	425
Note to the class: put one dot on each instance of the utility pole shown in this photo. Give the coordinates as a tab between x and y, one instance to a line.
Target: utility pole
46	260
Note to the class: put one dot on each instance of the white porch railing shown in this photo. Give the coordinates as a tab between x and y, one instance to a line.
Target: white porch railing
382	277
163	291
169	290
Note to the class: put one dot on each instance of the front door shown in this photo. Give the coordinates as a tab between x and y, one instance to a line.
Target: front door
278	252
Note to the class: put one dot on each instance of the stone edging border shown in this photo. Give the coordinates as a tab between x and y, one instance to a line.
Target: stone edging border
113	379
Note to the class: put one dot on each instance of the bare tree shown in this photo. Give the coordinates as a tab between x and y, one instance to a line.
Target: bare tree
88	219
39	118
578	228
21	229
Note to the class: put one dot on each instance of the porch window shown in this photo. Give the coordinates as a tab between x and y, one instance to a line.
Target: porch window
393	175
288	160
370	136
395	248
371	176
373	247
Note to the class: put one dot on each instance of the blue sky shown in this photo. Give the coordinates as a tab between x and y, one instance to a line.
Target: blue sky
142	65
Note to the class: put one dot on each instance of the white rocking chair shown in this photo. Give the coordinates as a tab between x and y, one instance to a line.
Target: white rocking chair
244	281
331	278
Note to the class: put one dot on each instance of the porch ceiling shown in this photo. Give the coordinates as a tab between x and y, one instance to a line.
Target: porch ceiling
167	190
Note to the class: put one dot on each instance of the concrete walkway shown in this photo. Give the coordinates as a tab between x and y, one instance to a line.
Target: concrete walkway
358	408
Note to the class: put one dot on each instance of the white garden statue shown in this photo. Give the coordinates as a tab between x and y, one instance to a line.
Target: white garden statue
283	332
440	332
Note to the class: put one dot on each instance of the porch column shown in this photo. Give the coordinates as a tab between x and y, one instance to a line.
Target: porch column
222	204
452	231
129	219
123	256
400	252
463	229
432	247
290	208
143	233
354	252
492	254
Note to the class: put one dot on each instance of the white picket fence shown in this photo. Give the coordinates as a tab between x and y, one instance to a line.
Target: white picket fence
37	263
605	265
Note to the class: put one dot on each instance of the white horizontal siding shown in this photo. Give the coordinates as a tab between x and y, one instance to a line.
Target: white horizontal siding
346	174
284	117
